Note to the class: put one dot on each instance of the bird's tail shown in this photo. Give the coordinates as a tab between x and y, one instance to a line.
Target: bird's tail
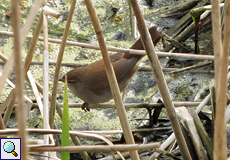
155	35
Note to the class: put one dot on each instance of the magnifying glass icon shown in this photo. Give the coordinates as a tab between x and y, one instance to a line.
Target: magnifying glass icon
9	147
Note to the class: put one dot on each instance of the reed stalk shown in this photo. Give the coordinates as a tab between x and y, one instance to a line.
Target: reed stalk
21	116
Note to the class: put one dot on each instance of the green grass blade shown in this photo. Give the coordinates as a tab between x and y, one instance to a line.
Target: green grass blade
65	125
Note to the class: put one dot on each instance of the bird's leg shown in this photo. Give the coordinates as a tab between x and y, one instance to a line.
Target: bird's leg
123	95
85	107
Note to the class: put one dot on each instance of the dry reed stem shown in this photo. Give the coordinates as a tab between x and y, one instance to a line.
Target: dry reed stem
8	98
58	65
9	65
171	138
28	60
9	103
31	16
112	80
26	27
97	148
10	107
2	125
56	131
203	103
75	139
50	12
39	101
21	116
53	101
171	70
72	132
3	57
157	70
33	43
134	105
190	67
202	132
224	71
188	122
45	79
46	11
6	71
53	131
128	51
6	102
221	63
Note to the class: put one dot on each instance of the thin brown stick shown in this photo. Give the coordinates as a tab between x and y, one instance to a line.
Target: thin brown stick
172	137
84	155
75	140
33	43
38	98
127	105
190	126
97	148
73	133
9	65
21	116
112	79
135	105
220	146
157	70
46	12
58	65
2	125
190	67
28	60
45	78
128	51
8	98
3	57
203	134
89	134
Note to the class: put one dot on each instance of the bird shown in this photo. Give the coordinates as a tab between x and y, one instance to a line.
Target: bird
90	83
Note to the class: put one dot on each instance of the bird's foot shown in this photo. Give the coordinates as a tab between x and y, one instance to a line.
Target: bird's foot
85	107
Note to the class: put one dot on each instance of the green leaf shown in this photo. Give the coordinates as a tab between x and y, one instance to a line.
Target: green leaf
65	125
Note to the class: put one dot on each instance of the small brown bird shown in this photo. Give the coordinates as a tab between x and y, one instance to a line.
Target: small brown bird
90	83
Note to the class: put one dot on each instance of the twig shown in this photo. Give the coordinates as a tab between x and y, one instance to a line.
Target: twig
75	140
97	148
184	22
33	43
38	98
28	101
171	138
190	67
171	70
46	12
203	134
9	65
58	65
21	116
9	103
128	51
220	146
136	105
188	122
45	78
127	105
112	79
155	64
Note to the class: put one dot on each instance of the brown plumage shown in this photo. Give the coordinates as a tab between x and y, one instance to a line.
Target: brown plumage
90	83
